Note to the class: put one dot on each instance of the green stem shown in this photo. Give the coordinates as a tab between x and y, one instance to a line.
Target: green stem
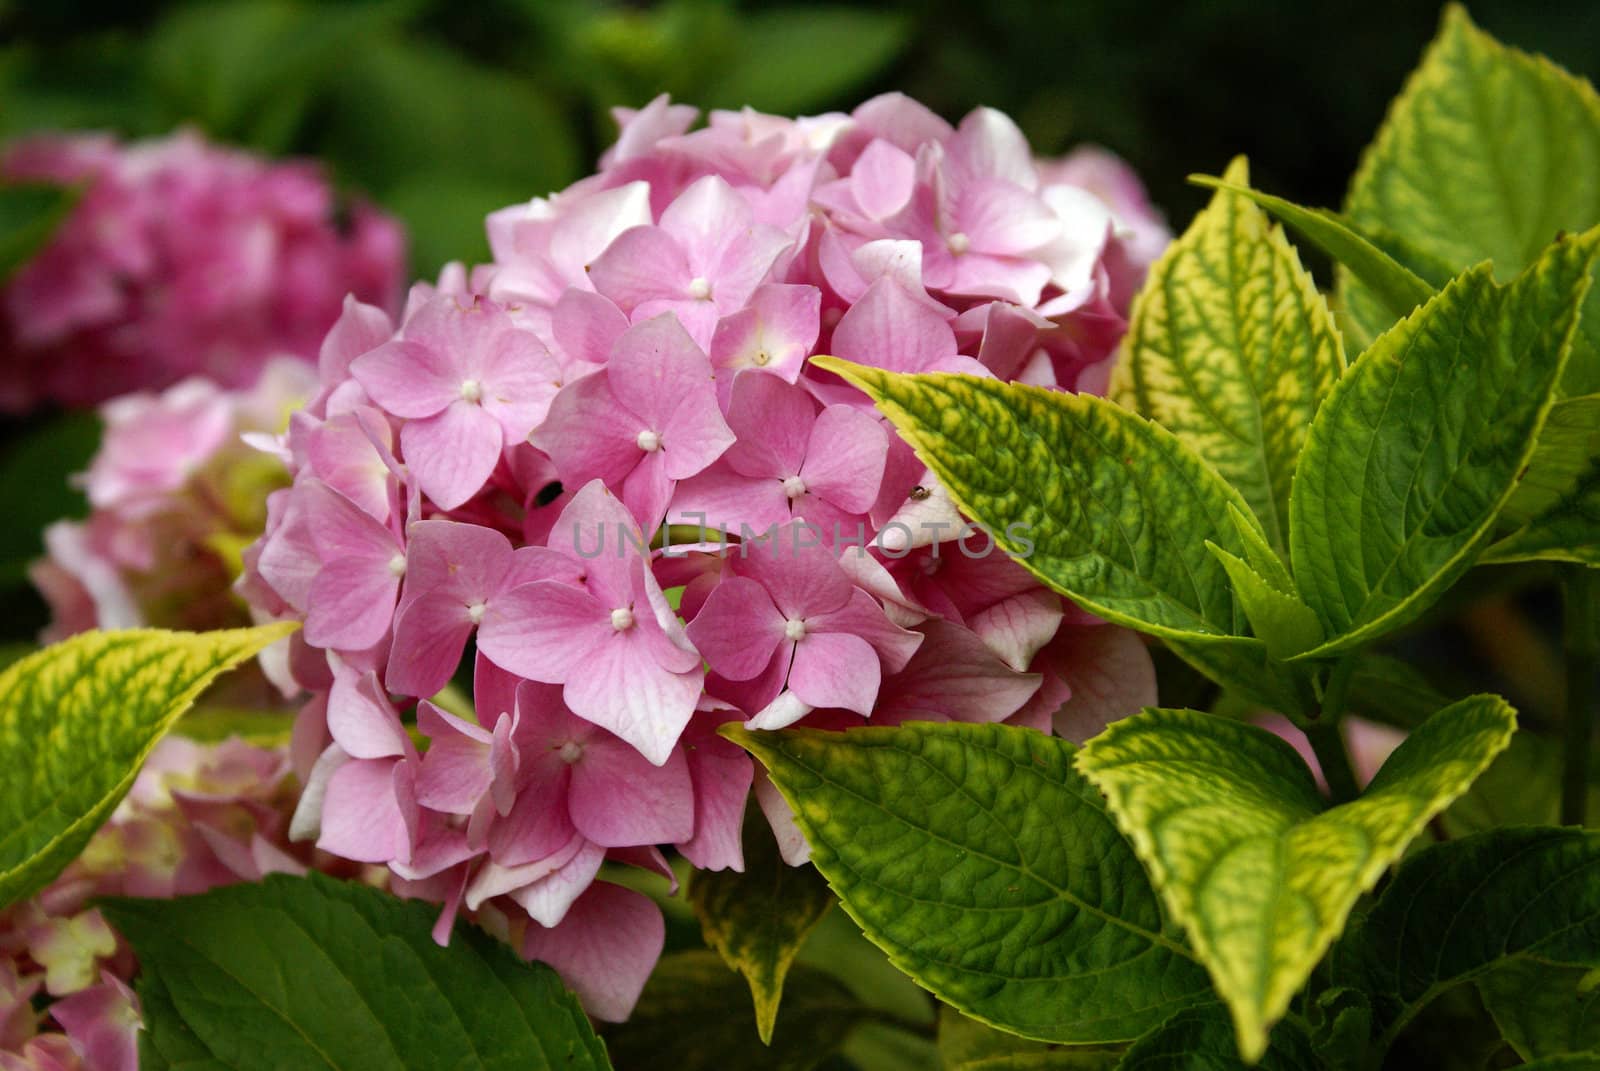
1327	742
1580	591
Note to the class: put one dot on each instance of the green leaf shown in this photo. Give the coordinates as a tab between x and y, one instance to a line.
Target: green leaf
1201	1039
1421	443
758	920
797	59
695	1015
1231	348
1488	153
1543	1010
1393	288
1285	624
1522	787
249	70
1457	909
1557	504
1097	502
1232	827
988	870
1568	452
968	1045
317	973
76	722
29	215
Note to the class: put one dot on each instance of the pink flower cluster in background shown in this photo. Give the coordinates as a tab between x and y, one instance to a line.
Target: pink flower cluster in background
180	259
198	816
523	482
175	494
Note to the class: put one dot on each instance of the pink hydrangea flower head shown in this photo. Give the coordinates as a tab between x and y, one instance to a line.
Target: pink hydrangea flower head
180	259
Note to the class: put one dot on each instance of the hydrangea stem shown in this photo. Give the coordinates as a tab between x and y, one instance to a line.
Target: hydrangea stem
1328	742
1581	592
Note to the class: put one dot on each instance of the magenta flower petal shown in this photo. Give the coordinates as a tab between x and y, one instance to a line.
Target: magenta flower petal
453	452
722	774
737	629
604	949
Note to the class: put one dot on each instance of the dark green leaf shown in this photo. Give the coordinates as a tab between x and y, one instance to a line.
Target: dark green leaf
314	973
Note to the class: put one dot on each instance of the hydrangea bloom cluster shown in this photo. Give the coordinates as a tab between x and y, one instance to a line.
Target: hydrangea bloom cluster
175	494
180	259
198	816
600	478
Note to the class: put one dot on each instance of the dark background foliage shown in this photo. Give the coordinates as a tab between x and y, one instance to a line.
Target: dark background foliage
445	110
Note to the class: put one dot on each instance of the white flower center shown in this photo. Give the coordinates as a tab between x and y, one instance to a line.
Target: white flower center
794	487
571	752
397	565
700	288
471	390
794	629
649	441
622	619
475	612
761	359
958	243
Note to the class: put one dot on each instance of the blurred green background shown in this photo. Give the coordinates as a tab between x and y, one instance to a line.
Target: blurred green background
442	111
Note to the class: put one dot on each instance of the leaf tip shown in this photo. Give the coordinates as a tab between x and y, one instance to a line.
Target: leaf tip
865	377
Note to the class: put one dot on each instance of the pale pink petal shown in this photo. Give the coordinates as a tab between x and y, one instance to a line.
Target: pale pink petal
861	616
618	799
622	688
409	379
544	631
359	329
773	333
721	499
954	676
988	144
882	179
890	329
647	490
1017	628
429	636
589	434
642	264
604	950
537	826
836	669
361	719
519	379
774	423
454	775
350	604
801	575
660	375
467	561
845	458
586	326
362	814
547	900
453	453
792	844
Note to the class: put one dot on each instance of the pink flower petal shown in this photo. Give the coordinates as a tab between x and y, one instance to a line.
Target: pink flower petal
429	636
604	950
409	379
845	458
738	629
836	669
453	453
622	688
618	799
362	814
